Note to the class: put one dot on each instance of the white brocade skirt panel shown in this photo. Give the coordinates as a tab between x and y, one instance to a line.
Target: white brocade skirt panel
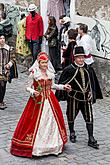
48	139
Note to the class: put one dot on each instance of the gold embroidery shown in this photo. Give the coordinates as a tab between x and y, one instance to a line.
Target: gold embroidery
29	137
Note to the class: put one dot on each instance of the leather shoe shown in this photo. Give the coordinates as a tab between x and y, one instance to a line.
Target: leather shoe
93	143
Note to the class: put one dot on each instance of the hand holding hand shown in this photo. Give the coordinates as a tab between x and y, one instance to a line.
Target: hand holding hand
67	87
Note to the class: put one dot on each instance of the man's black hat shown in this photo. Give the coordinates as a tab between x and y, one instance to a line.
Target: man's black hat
79	51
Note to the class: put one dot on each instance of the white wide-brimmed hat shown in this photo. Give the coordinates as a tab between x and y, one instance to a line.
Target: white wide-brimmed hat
32	7
66	19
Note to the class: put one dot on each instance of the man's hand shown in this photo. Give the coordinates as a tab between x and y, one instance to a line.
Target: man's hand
7	66
67	87
89	96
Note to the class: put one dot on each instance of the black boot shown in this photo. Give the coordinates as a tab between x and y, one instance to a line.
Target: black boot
91	142
73	137
72	133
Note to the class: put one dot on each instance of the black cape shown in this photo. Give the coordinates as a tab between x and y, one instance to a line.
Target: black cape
66	76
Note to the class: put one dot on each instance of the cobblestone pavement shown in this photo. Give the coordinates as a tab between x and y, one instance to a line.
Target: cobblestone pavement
74	154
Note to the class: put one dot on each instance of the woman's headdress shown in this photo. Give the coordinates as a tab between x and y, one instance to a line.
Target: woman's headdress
42	56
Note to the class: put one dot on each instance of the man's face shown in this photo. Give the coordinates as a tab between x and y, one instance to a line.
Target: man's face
2	40
61	21
33	13
80	31
79	60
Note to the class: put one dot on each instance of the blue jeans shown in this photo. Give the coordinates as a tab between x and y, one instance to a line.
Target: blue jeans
35	48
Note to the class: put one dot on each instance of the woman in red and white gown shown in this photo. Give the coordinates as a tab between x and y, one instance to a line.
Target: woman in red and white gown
41	129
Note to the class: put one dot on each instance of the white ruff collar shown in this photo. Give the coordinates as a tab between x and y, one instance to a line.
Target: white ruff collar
79	65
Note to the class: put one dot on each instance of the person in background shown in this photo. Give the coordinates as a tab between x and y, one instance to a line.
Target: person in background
85	90
51	36
61	21
85	40
64	36
7	61
34	31
6	27
68	56
22	47
41	129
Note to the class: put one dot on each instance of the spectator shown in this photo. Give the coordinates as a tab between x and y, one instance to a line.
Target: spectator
64	37
52	37
34	31
5	26
68	56
22	47
85	40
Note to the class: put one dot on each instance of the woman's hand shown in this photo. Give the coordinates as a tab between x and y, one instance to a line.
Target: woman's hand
67	87
36	93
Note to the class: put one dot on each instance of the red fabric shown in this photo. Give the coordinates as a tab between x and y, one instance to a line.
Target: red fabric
42	56
88	56
34	27
26	130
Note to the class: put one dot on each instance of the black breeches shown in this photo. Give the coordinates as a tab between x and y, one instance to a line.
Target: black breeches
2	90
73	108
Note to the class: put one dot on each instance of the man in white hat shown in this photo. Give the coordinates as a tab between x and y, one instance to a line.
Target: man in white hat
85	91
34	30
64	36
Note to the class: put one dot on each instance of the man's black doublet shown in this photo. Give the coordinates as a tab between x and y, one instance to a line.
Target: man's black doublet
83	82
74	76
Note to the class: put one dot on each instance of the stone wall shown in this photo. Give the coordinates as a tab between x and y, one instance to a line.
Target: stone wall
94	8
102	68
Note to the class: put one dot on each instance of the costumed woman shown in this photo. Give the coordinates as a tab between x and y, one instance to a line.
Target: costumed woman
22	47
41	129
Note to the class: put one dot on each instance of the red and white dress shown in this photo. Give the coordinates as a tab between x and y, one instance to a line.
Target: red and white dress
41	129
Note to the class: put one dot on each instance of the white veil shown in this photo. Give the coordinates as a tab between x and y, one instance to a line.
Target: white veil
36	66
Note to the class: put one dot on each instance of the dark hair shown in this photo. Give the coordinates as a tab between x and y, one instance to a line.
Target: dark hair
52	20
2	6
72	34
22	16
62	16
3	14
2	33
83	27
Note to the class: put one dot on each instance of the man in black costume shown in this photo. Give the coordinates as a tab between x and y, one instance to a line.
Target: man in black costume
85	91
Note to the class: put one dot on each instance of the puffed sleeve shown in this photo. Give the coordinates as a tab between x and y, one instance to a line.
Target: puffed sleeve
57	86
29	84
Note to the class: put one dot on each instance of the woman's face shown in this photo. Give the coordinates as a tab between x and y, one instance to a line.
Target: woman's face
43	64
